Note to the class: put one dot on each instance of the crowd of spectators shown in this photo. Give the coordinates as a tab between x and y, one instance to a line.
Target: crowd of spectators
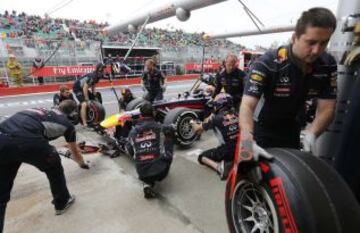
37	31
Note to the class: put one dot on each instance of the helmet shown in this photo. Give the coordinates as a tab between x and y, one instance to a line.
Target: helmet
126	92
223	101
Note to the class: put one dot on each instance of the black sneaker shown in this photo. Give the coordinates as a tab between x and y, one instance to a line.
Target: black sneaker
149	192
69	203
223	170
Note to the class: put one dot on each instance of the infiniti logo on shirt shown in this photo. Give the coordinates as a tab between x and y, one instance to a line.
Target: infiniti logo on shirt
145	144
284	79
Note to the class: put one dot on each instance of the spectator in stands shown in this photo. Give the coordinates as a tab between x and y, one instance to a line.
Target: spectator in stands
15	70
38	63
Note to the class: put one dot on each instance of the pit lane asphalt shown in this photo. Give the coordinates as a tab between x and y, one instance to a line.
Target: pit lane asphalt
109	196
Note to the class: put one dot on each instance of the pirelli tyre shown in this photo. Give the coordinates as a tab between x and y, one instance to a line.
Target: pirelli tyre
98	97
95	113
134	104
181	118
298	193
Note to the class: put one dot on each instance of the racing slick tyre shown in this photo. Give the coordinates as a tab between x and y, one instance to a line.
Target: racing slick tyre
298	193
98	97
134	104
181	117
95	113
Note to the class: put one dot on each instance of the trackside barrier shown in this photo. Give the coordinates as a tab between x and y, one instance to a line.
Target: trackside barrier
10	91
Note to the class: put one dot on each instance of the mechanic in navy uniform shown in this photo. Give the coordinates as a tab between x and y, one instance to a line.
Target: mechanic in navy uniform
85	87
24	138
126	97
64	94
152	145
153	81
225	123
231	79
280	82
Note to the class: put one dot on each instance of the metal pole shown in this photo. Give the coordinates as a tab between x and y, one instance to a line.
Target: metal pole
136	38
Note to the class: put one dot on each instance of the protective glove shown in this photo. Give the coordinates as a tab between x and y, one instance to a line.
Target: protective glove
309	142
250	150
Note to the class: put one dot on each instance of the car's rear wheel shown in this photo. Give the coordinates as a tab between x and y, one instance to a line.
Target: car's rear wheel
298	193
181	118
135	103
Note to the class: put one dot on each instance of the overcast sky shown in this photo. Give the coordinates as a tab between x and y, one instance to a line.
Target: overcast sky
222	17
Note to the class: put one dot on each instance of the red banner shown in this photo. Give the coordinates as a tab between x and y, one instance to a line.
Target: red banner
58	71
193	66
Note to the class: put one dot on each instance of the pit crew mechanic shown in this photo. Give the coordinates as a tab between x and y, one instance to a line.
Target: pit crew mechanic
126	97
24	138
85	87
224	122
64	94
231	79
152	145
153	81
281	80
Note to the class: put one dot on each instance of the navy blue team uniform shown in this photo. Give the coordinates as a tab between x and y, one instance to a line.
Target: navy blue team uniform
58	98
153	146
91	79
283	88
153	82
226	127
24	138
233	84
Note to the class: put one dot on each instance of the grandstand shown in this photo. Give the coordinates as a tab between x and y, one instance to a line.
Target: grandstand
29	36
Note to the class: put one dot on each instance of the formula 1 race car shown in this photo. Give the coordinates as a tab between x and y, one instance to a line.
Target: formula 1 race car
192	105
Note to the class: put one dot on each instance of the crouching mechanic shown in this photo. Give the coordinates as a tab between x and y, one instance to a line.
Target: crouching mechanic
152	144
65	94
24	138
224	122
84	89
126	97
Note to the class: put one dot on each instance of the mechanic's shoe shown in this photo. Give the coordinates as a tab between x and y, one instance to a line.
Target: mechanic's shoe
68	204
149	192
223	170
